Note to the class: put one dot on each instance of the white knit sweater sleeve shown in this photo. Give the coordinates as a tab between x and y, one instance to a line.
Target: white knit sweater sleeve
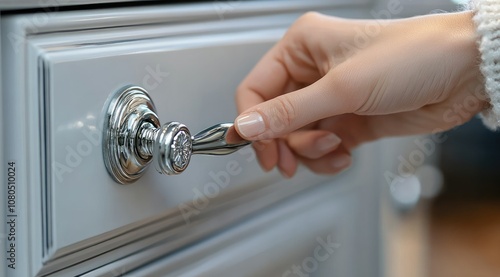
487	20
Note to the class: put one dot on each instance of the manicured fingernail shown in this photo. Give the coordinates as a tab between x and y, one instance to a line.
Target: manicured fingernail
251	124
327	142
341	161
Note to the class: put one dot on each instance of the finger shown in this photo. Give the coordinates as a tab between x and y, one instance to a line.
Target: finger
286	113
287	67
267	154
313	144
287	163
332	163
356	129
268	79
433	118
351	128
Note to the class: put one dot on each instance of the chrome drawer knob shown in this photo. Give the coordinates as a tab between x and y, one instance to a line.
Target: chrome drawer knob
133	138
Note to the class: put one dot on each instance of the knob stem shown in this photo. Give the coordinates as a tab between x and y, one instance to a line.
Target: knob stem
173	145
133	138
220	139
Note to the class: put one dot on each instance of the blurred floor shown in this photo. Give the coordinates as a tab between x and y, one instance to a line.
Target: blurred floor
464	232
464	239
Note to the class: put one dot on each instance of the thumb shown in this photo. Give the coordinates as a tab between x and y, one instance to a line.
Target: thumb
286	113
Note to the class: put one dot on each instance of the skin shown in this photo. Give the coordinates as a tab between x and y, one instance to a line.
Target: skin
321	91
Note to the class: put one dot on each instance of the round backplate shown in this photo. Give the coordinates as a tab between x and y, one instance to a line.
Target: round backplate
127	111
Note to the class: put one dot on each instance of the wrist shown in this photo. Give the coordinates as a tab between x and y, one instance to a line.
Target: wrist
463	39
487	23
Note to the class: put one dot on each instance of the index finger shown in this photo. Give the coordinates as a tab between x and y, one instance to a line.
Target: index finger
267	80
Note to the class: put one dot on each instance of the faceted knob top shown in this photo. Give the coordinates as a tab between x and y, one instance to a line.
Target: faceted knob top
133	138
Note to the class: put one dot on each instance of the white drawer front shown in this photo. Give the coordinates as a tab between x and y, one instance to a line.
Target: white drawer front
190	59
194	86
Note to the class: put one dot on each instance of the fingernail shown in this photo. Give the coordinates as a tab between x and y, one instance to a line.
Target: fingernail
341	161
251	124
327	142
284	174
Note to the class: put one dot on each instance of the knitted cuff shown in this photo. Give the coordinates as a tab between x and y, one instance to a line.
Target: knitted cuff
487	20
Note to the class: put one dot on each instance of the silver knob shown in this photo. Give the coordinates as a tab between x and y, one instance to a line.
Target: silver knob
133	138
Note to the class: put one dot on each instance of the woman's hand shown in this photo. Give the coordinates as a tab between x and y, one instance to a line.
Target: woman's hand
331	84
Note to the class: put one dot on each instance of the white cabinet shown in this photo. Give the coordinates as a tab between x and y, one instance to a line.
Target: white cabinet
71	218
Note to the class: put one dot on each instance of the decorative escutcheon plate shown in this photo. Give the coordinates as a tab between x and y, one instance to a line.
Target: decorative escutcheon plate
133	138
128	111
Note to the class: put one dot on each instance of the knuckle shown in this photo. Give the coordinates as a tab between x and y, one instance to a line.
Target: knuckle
305	21
347	88
309	16
341	80
283	114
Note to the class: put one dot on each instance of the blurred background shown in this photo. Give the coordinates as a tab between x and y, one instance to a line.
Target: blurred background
464	219
447	219
454	204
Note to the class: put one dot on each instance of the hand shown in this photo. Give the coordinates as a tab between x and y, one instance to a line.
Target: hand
331	84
